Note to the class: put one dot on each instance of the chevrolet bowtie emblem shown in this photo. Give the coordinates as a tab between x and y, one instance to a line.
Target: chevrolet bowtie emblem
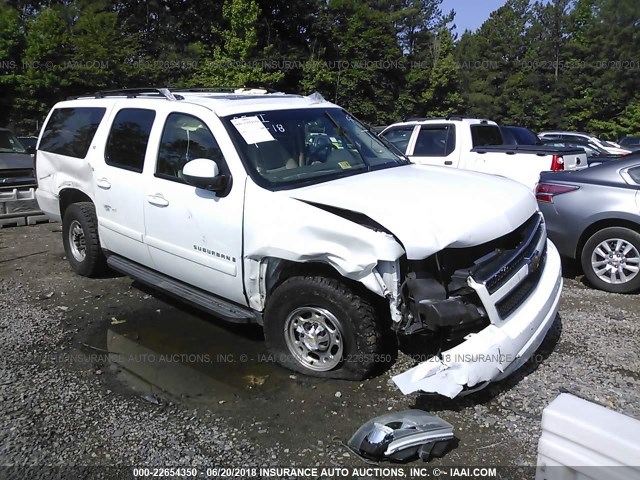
534	262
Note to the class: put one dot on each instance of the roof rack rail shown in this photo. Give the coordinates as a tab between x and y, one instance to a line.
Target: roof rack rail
227	89
131	93
448	117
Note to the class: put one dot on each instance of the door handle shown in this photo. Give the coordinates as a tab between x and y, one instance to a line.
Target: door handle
103	183
158	200
448	162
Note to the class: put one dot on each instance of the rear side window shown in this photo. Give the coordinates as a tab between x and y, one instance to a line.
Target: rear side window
127	142
524	136
399	137
483	135
634	173
435	141
508	136
70	131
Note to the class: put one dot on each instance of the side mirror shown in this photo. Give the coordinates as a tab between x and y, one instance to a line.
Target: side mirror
31	150
204	173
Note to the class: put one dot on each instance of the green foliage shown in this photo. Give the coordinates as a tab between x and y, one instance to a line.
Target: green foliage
44	76
237	60
569	64
101	56
11	44
355	62
442	95
629	123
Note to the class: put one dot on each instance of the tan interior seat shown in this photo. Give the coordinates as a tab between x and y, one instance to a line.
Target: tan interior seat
272	157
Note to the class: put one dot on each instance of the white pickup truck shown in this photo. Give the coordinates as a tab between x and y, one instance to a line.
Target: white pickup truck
286	211
476	144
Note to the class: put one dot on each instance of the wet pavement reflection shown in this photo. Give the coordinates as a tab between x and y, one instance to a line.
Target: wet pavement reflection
164	351
175	354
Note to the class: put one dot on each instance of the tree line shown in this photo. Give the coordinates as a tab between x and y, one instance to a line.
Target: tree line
570	64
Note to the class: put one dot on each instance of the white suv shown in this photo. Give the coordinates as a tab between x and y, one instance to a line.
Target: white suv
286	211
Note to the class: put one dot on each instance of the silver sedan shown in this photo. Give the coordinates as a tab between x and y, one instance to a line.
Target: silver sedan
593	215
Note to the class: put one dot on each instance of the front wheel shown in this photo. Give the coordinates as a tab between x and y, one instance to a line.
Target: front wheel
319	326
611	260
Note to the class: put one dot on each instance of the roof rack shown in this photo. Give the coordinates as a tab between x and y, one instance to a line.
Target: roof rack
132	93
448	117
225	89
167	92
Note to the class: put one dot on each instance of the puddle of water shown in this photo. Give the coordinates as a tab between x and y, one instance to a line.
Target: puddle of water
176	354
162	347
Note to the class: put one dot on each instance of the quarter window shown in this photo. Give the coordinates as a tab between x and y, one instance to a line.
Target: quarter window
185	138
70	131
128	139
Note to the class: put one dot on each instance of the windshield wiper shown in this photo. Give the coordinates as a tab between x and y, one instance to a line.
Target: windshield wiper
343	132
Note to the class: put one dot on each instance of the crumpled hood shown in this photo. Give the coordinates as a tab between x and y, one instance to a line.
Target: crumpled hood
15	161
430	208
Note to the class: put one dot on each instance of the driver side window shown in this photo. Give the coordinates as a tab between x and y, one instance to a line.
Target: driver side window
184	138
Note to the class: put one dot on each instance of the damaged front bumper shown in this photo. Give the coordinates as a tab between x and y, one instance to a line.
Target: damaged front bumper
496	351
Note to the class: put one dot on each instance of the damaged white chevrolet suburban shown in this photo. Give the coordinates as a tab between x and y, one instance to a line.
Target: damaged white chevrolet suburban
286	211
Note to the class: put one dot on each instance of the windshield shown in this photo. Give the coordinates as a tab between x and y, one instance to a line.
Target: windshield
9	143
288	148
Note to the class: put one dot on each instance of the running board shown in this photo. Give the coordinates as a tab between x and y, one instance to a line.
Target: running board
180	290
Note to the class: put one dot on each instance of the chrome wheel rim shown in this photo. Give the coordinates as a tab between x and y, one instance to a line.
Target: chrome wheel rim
615	261
314	338
77	241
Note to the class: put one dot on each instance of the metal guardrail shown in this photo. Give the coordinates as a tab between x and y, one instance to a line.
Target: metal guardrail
18	207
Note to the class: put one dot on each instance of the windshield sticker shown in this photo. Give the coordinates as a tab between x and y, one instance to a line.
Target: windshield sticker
344	165
252	130
336	143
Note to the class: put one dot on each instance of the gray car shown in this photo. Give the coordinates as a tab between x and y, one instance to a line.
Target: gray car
594	215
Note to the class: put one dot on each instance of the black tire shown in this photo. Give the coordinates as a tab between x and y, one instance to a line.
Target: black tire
610	235
83	216
359	326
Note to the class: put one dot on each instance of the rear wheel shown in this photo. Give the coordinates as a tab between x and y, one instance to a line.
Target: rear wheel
321	327
81	241
611	260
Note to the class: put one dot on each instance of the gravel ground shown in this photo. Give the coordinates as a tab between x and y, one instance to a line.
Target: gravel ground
63	402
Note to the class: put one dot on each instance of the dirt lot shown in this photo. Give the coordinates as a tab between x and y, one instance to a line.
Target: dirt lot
187	389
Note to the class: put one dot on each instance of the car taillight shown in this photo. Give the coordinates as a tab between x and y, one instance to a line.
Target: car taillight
557	163
546	191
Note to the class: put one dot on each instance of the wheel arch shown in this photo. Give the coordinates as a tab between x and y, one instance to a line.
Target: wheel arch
600	225
68	196
279	270
263	276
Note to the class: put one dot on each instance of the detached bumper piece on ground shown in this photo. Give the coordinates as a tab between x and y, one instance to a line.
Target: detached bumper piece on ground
401	436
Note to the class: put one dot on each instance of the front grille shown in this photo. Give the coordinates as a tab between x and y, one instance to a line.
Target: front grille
496	270
17	177
514	260
510	302
16	172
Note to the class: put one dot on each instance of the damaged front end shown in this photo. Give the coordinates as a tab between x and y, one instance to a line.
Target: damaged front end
480	312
